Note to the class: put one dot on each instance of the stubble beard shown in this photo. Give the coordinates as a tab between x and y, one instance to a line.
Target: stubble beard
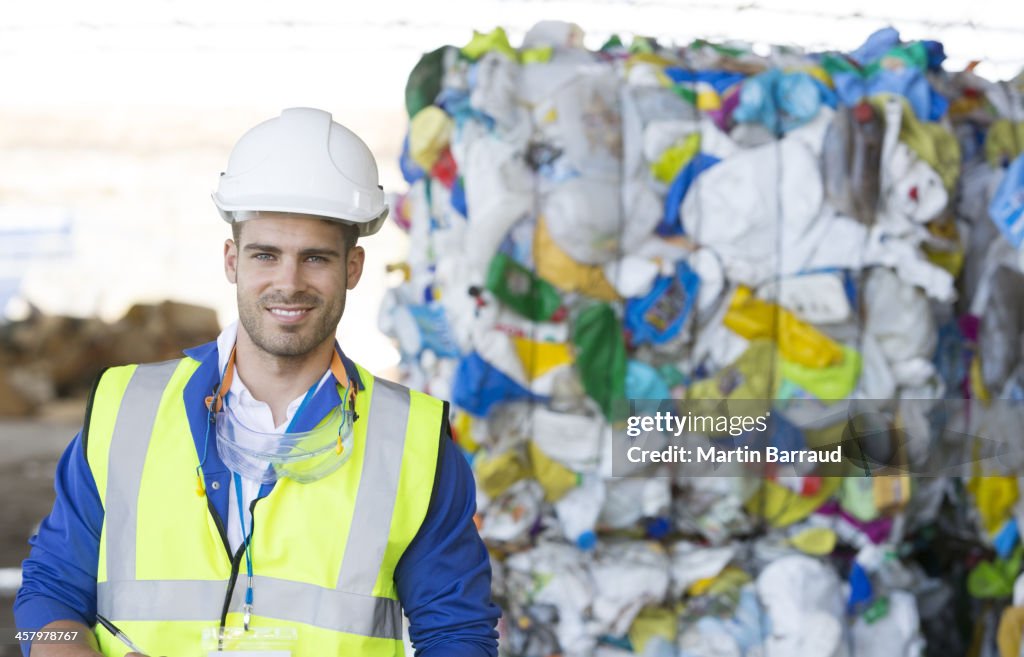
289	341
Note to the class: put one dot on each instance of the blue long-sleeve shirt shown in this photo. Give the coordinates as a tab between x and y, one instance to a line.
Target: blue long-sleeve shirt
443	578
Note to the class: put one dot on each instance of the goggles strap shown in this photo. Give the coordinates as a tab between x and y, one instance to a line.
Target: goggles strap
215	402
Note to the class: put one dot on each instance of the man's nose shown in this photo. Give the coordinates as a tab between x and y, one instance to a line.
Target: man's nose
289	275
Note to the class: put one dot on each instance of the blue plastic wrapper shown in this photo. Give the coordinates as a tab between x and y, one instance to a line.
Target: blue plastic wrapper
1007	206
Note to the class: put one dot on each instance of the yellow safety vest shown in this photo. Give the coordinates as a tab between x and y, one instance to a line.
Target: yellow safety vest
325	552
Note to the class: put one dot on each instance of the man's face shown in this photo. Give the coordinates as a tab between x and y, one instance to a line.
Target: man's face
292	273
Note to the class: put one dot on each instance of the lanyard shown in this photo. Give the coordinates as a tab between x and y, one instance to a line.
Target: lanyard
247	537
214	403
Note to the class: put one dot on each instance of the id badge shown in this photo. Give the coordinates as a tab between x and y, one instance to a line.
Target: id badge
254	642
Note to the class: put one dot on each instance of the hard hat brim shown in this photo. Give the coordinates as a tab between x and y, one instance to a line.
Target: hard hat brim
232	212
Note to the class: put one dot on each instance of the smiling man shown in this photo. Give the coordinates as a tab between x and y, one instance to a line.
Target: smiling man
264	491
292	272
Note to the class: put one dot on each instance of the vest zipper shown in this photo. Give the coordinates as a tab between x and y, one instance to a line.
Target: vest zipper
220	526
236	560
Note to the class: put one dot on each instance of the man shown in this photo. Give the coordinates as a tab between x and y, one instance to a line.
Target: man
265	487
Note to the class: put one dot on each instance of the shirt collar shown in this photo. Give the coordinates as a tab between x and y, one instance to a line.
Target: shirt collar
204	381
208	355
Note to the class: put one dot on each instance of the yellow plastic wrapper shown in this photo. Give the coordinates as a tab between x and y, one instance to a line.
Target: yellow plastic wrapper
978	389
1003	142
429	133
555	265
730	579
485	42
748	377
554	478
798	341
816	541
932	142
653	60
781	507
826	383
538	55
675	157
820	74
539	357
652	622
964	106
496	475
1011	629
995	497
708	99
463	424
951	259
892	492
857	497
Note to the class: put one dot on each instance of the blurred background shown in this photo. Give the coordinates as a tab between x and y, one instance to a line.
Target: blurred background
116	118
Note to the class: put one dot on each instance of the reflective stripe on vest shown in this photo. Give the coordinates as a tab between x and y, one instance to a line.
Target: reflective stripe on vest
375	501
359	604
128	445
191	600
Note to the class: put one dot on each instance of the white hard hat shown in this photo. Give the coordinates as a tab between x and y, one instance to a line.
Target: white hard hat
303	162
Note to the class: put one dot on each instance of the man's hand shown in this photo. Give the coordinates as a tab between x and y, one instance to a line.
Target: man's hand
83	646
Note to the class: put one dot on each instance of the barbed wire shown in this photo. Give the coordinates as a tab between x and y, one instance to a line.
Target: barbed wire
177	22
747	6
394	33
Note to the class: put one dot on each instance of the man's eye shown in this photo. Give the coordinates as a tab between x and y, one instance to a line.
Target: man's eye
316	259
262	256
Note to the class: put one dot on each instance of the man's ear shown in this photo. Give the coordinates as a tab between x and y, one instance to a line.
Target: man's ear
231	261
354	265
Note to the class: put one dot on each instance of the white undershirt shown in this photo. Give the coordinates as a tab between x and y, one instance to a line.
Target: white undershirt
255	414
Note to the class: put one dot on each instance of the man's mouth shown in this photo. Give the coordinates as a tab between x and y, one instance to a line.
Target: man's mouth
289	314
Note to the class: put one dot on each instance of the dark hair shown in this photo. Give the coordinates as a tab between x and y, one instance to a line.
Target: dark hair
350	232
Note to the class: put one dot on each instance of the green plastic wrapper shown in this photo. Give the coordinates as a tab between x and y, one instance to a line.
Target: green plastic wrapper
521	289
424	83
601	355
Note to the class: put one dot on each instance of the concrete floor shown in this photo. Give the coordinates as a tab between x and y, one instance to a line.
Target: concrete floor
29	450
